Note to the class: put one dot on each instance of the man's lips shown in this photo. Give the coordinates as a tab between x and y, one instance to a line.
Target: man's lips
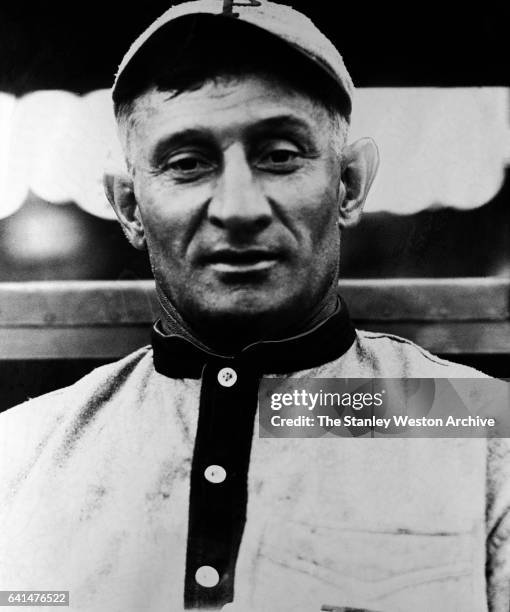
241	260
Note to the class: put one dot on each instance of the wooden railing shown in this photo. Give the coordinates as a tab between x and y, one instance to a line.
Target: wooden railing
108	319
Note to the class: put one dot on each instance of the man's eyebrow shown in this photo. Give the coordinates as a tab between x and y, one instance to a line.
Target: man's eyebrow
283	123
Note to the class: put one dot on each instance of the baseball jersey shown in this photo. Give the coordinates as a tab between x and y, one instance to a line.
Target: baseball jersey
146	486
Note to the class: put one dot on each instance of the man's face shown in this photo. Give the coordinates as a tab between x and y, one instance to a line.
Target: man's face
238	187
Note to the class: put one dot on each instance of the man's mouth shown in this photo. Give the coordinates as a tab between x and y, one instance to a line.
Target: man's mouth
242	260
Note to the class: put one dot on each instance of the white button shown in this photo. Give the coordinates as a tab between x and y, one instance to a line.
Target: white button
207	576
227	377
215	473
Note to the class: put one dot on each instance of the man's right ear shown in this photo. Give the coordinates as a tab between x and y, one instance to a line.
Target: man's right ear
120	193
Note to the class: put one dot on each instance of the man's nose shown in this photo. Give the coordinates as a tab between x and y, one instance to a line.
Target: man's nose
238	203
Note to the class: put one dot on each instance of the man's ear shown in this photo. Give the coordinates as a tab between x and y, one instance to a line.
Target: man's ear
120	193
359	166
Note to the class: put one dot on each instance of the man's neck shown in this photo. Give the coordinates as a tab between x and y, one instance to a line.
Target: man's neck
173	324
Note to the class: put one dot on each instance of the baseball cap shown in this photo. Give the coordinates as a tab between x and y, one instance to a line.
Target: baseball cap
279	21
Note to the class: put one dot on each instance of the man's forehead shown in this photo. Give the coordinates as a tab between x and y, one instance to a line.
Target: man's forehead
226	103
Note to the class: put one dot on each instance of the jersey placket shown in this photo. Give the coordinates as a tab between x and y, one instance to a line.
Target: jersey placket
219	482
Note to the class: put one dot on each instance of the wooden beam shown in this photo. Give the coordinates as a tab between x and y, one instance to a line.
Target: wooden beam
112	342
420	299
108	319
77	303
108	342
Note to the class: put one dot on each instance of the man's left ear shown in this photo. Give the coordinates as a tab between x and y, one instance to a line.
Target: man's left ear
360	162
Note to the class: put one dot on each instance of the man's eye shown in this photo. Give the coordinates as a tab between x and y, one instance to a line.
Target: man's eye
188	166
282	156
280	160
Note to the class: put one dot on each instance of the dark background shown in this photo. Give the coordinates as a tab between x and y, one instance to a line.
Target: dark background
77	46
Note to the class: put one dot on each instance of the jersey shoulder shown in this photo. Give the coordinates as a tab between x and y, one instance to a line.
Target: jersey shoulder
26	426
392	356
97	382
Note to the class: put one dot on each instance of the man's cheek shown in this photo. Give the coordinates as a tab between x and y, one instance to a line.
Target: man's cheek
164	234
321	222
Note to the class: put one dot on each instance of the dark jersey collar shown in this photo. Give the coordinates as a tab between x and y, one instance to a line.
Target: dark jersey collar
178	357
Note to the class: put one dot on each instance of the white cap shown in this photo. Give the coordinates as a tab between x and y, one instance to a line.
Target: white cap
282	21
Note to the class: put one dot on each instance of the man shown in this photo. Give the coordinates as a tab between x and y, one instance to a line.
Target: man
145	486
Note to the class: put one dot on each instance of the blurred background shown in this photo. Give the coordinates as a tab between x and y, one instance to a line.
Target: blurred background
434	92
